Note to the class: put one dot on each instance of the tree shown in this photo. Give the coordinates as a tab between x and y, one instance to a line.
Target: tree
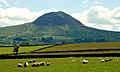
16	49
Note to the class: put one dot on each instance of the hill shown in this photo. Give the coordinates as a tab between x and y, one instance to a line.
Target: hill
57	28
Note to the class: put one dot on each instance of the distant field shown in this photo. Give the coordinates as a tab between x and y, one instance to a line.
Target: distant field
62	65
84	46
8	50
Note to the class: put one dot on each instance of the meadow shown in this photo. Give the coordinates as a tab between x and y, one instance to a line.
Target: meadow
83	46
65	64
8	50
62	65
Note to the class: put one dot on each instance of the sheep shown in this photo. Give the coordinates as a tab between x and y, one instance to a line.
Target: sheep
42	63
102	60
117	59
31	61
110	59
26	64
35	64
34	60
107	60
107	57
39	64
84	61
73	60
48	64
19	65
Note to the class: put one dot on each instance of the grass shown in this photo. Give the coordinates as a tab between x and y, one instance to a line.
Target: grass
62	65
83	46
8	50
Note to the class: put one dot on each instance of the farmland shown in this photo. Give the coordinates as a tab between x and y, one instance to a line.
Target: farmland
84	46
8	50
62	65
67	49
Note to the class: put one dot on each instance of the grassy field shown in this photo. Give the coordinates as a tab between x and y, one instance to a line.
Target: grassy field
84	46
62	65
8	50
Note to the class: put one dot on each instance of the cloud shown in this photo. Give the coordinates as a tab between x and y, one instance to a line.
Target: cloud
16	16
96	17
85	1
97	2
4	3
100	17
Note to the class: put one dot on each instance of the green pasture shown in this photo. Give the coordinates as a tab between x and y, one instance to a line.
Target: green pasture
8	50
84	46
62	65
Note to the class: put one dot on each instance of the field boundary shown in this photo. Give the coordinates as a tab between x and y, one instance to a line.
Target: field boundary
88	50
60	55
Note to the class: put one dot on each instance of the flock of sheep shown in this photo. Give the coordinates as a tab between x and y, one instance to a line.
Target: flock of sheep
33	63
106	59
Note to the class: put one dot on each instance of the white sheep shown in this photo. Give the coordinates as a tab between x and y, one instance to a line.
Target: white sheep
26	64
42	63
102	60
20	65
73	60
34	60
117	59
84	61
48	64
31	61
107	60
35	64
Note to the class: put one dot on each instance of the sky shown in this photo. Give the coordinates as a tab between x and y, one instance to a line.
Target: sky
100	14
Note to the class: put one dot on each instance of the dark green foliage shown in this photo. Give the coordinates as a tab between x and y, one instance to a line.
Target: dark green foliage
16	49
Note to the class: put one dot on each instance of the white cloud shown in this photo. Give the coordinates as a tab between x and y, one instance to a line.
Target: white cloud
16	16
4	2
85	1
100	17
96	16
97	2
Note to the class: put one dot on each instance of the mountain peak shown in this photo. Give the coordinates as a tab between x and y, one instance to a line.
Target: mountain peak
56	18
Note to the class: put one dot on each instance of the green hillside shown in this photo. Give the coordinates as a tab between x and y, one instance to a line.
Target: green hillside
55	28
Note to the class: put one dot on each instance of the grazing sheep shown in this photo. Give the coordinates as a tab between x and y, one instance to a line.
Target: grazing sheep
110	59
26	64
107	60
107	57
73	60
102	60
117	59
38	64
48	64
84	61
35	64
42	63
19	65
31	61
34	60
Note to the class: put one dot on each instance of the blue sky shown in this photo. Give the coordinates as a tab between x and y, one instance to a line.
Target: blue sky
67	5
101	14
